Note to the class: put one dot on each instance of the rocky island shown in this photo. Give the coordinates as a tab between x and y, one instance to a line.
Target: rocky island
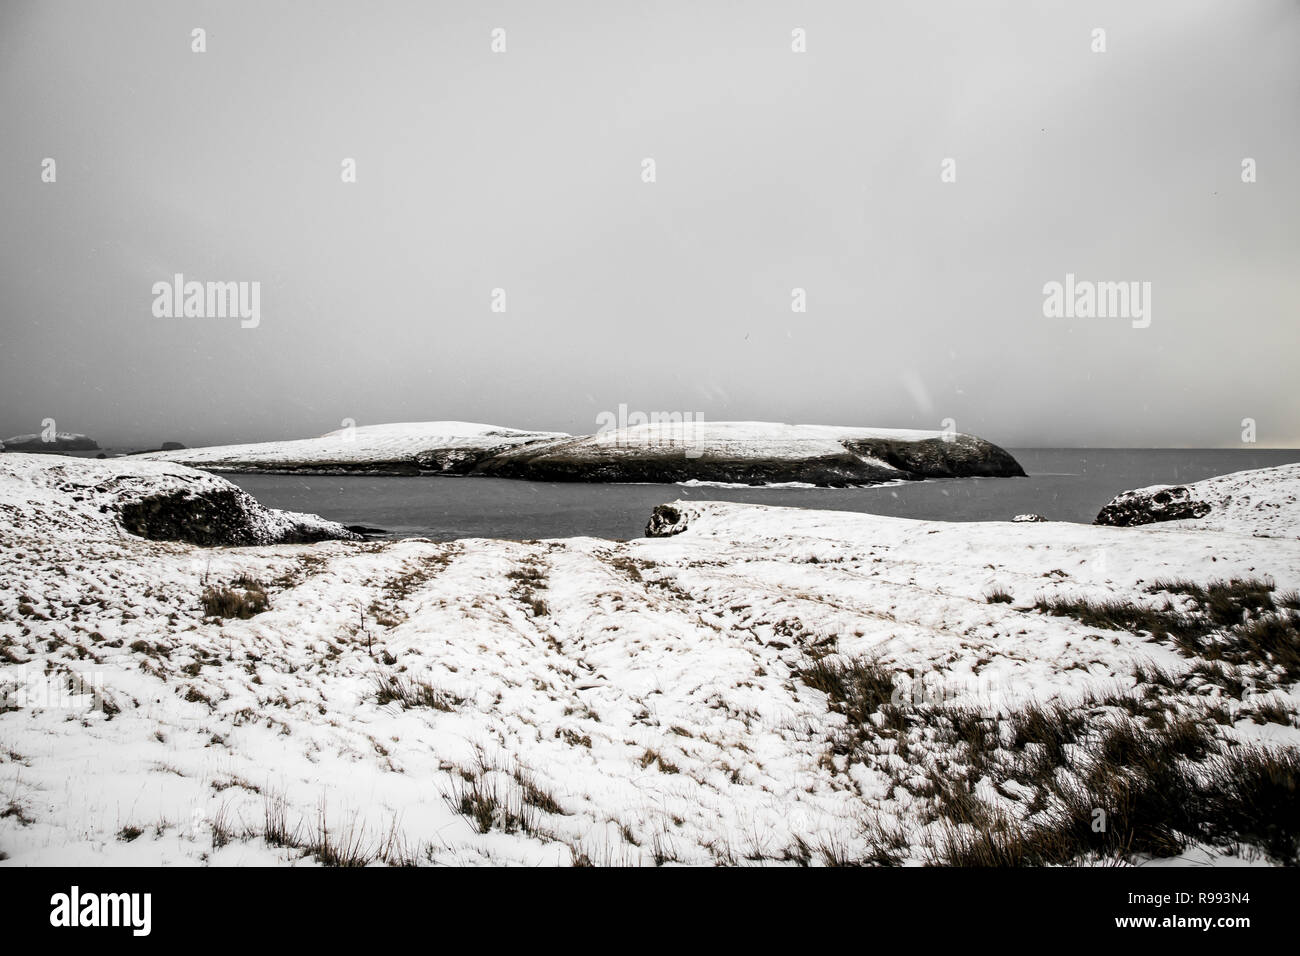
753	453
58	442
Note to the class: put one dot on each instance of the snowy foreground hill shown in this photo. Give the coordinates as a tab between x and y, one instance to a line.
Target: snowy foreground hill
752	685
738	452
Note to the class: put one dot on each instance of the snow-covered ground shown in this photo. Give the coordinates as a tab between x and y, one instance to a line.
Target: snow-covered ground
565	700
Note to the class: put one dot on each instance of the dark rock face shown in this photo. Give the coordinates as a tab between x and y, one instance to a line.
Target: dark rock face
962	457
454	461
172	446
439	461
665	521
400	467
212	519
663	467
1148	507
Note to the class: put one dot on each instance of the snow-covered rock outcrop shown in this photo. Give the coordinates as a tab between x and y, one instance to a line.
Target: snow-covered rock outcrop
1263	502
84	498
733	452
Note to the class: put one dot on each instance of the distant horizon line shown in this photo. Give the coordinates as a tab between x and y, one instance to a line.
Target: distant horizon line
142	446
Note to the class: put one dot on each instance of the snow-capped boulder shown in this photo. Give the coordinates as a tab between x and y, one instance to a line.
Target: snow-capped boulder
665	521
79	497
1263	502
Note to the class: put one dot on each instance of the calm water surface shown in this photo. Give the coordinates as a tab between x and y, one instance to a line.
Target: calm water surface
1063	485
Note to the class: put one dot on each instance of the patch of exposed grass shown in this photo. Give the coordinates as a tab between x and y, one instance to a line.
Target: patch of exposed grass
1117	614
857	687
1253	796
1240	622
345	848
662	850
1272	710
863	691
1114	776
654	758
243	599
276	830
411	692
1226	677
1272	640
15	811
1140	790
511	801
535	795
483	803
1225	603
1050	728
529	578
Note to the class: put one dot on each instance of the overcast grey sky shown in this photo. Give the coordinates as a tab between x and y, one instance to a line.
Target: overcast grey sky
775	170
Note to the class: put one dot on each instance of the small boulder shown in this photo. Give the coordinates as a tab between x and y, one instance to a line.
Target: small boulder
665	522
